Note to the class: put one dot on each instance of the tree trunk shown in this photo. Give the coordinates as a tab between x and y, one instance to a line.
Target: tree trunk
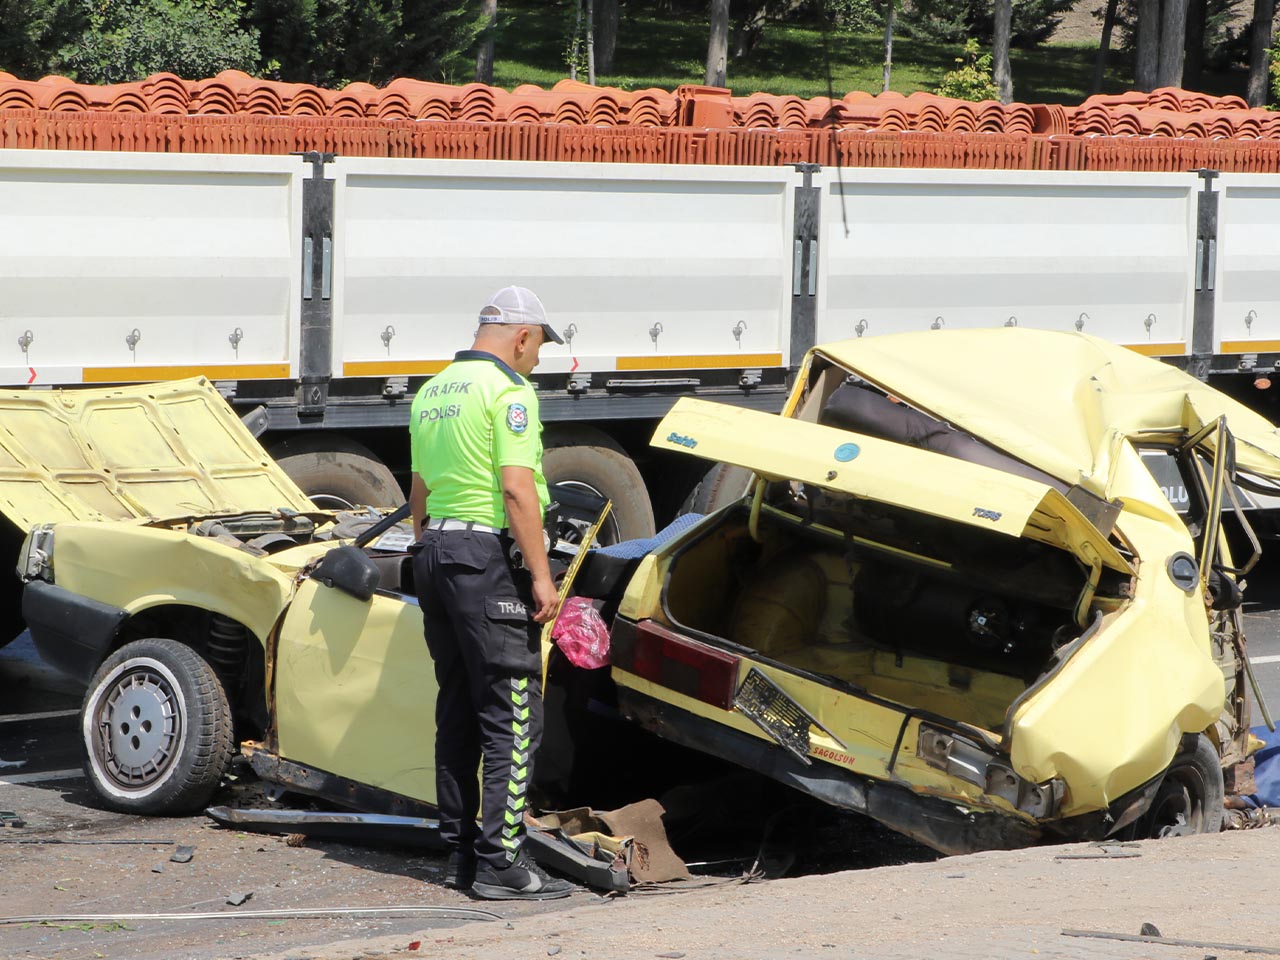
1000	72
484	56
1173	43
1104	46
577	35
591	42
888	42
606	34
1264	12
749	28
1148	56
1193	64
718	45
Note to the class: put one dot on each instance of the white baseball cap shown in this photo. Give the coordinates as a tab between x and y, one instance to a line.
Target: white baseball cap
519	306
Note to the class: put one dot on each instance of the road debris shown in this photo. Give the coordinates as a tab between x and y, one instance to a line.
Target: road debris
1104	851
302	913
236	899
158	868
183	854
1172	942
9	820
144	843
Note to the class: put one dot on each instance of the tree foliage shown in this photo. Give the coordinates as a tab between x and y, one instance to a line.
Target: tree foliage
971	79
951	21
325	42
121	40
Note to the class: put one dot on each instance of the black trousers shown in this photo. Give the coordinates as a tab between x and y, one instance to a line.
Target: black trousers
488	666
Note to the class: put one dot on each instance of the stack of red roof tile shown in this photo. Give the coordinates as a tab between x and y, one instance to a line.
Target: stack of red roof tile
1167	129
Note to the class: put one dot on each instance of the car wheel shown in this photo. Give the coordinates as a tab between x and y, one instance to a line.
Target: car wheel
338	474
1189	798
156	729
590	461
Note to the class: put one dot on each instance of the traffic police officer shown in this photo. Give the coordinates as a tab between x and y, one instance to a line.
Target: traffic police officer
477	490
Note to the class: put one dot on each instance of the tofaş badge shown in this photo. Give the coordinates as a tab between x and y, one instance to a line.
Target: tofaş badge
517	418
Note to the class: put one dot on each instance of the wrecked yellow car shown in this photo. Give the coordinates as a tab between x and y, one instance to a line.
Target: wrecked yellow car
174	568
954	599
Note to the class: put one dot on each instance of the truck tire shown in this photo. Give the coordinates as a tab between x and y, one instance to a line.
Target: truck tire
591	461
337	473
156	729
724	484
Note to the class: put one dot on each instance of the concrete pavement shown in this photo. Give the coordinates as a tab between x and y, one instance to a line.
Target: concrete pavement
989	906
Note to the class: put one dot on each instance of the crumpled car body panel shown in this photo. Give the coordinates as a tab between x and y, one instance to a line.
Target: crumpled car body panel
1128	673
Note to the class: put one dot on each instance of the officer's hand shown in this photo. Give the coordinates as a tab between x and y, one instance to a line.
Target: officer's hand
545	598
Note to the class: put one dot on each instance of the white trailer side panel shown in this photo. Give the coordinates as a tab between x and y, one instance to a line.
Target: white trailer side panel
1113	253
1247	274
650	267
131	266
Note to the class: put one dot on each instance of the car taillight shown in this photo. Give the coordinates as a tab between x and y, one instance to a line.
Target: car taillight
675	662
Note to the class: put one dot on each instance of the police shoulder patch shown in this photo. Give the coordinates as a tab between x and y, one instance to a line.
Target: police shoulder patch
517	418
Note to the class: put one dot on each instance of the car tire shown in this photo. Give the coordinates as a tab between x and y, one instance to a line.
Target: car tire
590	461
723	484
1189	798
337	473
156	729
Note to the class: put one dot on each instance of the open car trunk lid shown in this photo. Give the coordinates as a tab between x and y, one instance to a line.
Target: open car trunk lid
778	448
151	450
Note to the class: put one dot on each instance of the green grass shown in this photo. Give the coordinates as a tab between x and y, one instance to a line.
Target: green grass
532	40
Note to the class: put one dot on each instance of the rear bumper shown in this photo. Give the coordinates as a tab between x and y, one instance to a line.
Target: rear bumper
72	633
938	823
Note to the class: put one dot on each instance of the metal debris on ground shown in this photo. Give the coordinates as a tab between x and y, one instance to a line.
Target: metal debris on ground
158	868
183	854
1149	930
10	820
146	843
304	913
1104	851
236	899
1251	818
1172	942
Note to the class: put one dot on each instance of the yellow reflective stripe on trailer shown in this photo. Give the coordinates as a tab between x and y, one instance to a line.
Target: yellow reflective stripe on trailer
702	361
213	371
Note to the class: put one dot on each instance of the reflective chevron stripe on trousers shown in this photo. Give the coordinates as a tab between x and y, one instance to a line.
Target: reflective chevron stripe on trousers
487	658
521	763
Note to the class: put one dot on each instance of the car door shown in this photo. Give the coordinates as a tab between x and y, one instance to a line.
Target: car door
355	689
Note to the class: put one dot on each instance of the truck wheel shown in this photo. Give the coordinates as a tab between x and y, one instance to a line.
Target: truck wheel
724	484
156	729
1189	799
591	461
337	473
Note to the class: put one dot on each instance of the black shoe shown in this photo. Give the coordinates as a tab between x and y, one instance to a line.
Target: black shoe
523	880
460	871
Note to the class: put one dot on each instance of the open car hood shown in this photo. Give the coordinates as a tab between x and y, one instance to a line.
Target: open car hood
778	448
152	450
1054	400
